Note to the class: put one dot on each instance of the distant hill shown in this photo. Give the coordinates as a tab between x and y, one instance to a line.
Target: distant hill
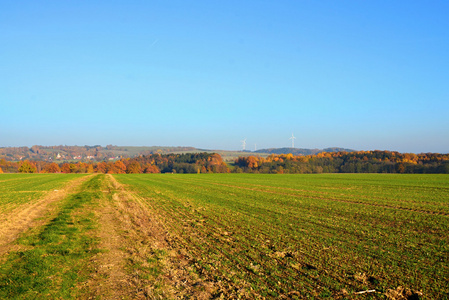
337	149
110	152
301	151
84	153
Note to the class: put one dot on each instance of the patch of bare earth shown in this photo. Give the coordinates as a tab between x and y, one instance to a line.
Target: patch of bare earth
28	215
401	293
140	262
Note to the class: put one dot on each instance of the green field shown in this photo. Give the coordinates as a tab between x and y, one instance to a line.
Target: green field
231	236
317	235
18	189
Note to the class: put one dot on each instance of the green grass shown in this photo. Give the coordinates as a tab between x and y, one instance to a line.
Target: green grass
259	235
55	258
318	235
17	189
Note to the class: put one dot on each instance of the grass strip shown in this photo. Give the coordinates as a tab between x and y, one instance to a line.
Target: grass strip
56	258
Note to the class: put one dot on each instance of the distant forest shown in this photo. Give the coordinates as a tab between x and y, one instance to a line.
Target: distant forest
346	162
153	163
325	162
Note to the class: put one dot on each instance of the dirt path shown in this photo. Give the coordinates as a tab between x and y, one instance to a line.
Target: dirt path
127	267
27	215
140	259
110	280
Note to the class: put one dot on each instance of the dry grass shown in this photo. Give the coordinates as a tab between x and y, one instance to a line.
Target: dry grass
29	215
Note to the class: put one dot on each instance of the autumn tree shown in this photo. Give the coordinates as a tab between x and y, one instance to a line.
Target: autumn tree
27	167
134	168
73	168
101	167
151	169
251	162
90	168
80	167
66	168
52	168
120	167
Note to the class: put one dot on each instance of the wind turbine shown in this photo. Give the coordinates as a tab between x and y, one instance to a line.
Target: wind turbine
244	144
293	140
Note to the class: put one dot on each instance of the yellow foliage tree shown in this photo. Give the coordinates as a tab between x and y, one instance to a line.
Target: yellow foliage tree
134	168
27	167
90	168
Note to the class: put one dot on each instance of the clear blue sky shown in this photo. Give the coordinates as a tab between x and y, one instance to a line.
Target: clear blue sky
357	74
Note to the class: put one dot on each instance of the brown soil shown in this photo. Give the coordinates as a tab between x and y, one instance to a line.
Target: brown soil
26	216
401	293
140	258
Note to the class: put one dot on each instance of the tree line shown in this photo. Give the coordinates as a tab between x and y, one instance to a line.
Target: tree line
325	162
152	163
346	162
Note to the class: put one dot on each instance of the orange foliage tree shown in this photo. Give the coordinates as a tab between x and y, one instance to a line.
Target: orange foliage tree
120	167
52	168
151	169
66	168
101	167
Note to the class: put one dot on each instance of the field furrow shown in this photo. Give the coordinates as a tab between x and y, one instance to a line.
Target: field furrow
231	236
312	237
